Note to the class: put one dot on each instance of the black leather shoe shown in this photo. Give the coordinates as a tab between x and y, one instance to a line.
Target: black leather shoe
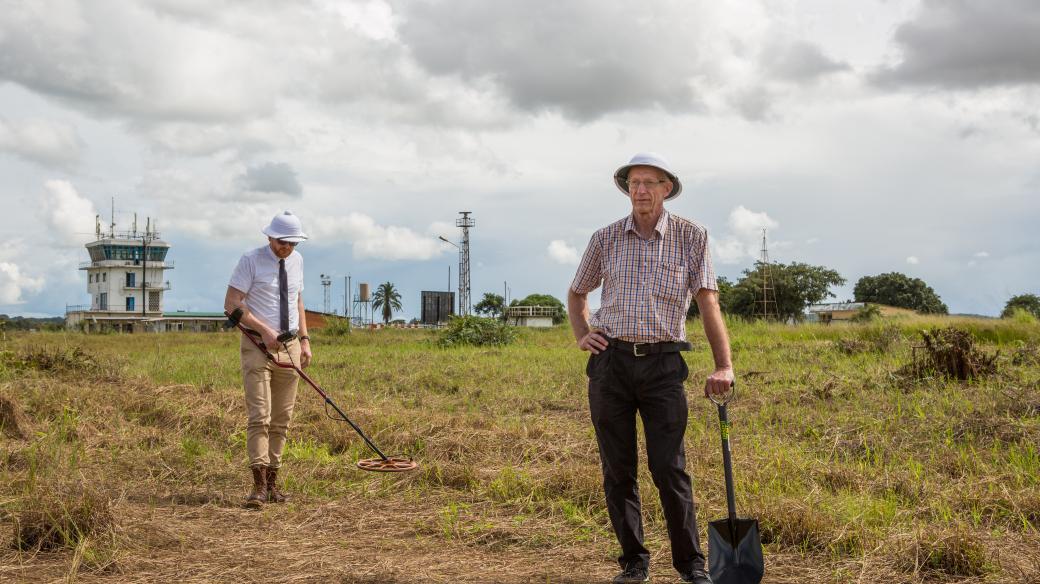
633	575
697	576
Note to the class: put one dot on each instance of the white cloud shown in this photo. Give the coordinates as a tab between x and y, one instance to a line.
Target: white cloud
407	111
744	240
14	284
68	215
981	254
562	253
44	141
375	241
912	260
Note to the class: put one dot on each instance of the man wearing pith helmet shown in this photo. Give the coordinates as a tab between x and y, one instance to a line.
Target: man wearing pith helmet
649	264
266	287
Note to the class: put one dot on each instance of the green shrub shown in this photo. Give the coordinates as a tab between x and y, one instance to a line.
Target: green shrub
477	331
868	313
335	326
1022	316
881	338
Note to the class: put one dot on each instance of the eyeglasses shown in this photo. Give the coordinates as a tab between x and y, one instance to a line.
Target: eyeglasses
289	243
633	185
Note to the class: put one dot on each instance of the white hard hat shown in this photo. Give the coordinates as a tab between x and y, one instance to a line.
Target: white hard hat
647	159
286	227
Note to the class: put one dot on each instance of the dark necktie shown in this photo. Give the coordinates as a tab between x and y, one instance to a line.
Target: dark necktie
283	297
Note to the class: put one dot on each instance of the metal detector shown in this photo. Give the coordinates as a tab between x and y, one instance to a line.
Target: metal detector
382	464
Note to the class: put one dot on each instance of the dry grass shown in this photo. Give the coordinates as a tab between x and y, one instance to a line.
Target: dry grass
130	455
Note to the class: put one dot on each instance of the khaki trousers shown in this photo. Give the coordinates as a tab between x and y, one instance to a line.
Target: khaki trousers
270	396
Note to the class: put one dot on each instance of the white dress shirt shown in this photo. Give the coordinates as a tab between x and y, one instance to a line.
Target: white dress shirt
256	275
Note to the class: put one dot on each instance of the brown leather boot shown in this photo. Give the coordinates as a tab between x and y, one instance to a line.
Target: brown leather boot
258	496
274	495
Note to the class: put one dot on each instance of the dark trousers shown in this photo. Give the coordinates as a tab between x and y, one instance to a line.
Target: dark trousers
621	384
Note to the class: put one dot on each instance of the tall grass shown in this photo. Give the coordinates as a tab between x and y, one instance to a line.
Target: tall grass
839	458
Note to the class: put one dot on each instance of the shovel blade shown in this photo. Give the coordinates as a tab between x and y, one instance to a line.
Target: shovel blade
735	557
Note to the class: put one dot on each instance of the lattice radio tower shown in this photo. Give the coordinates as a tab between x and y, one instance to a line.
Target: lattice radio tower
766	306
465	222
326	283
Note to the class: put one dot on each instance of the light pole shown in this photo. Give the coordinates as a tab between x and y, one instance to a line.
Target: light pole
462	309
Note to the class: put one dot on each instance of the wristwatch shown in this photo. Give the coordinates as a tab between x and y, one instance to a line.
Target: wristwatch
305	337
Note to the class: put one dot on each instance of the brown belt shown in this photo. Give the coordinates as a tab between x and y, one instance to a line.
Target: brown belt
644	349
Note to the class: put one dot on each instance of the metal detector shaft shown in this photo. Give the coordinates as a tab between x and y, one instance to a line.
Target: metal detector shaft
329	401
307	378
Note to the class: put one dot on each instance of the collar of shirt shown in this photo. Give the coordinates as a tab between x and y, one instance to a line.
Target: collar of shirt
270	253
661	228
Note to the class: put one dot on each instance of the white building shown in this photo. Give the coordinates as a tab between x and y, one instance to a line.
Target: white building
125	279
531	316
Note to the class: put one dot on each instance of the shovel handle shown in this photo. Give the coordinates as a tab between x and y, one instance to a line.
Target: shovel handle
727	459
725	398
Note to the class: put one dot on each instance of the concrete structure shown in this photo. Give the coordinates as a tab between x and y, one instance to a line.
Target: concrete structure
317	320
531	316
125	279
844	311
196	322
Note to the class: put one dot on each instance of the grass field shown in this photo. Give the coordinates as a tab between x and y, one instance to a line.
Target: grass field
132	449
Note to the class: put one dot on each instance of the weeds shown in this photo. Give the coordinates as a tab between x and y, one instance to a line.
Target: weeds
951	353
55	517
1023	353
60	360
476	331
877	339
13	421
954	552
335	326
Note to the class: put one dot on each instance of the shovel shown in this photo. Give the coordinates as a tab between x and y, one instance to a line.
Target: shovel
734	545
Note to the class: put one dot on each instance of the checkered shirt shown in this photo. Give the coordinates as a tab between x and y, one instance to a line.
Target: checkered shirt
646	282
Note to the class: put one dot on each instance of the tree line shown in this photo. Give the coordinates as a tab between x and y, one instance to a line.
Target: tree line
795	286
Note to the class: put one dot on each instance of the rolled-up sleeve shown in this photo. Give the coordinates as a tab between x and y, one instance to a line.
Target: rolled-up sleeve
702	273
590	270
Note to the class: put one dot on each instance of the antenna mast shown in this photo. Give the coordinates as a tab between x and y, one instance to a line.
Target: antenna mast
465	222
326	283
766	307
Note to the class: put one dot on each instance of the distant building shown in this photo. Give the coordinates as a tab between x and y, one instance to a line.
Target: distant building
317	320
531	316
196	322
844	311
437	307
125	279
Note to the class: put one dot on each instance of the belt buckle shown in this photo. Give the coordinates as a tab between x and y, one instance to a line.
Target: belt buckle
635	350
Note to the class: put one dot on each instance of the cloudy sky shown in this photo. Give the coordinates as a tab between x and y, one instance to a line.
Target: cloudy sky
867	136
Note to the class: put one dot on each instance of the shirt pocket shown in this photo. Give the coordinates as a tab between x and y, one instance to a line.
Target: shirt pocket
671	282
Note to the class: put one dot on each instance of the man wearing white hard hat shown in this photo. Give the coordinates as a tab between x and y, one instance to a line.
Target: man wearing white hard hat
649	264
266	287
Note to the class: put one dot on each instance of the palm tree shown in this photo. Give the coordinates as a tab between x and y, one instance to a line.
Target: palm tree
388	298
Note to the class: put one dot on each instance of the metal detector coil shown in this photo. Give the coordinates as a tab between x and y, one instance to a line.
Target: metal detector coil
388	464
